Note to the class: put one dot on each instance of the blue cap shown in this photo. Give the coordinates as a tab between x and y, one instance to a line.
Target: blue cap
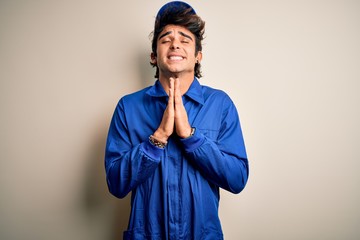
174	8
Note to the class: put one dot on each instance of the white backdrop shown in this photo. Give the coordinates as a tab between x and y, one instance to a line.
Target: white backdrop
291	67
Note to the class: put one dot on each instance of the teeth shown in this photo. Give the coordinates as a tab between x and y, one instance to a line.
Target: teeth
176	58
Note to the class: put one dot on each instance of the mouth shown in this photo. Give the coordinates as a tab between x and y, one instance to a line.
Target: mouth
175	57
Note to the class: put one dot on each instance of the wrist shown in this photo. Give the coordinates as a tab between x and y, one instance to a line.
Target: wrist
190	133
156	142
160	136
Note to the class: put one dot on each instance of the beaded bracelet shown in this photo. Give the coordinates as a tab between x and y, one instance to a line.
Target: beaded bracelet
157	143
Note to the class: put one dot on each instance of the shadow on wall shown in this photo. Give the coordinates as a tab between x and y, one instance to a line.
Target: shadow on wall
146	71
98	203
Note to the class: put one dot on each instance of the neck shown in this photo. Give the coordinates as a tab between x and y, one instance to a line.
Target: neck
185	81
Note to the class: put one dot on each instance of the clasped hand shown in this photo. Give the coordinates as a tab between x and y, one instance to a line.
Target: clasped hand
175	118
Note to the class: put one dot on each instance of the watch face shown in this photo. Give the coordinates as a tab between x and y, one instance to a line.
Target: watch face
192	131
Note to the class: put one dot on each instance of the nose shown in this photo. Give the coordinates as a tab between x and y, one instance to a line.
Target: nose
174	45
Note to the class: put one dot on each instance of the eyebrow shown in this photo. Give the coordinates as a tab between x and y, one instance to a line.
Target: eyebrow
181	33
185	35
165	34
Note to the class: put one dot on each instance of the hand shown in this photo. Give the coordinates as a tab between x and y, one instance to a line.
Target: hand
175	116
182	126
166	127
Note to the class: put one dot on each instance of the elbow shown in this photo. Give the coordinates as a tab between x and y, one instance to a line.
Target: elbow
120	195
238	183
116	190
116	186
238	187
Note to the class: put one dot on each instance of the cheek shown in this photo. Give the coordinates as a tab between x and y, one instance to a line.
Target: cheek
191	54
161	53
191	51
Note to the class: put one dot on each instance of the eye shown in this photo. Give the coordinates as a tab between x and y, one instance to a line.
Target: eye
165	41
184	40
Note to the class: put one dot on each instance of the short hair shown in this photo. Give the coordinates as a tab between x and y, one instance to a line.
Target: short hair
185	16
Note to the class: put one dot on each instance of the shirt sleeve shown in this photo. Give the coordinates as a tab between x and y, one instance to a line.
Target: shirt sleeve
127	165
222	161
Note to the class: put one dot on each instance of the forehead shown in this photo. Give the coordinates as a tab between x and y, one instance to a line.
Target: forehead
176	29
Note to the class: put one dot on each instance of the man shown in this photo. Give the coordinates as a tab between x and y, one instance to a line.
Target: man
174	144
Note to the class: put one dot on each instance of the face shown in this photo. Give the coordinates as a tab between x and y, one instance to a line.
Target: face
176	51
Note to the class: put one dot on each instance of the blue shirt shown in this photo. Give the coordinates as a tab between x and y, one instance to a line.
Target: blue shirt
175	190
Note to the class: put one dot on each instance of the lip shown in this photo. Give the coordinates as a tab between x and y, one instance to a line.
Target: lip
175	57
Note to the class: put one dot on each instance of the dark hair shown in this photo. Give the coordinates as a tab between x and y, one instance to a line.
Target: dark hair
185	18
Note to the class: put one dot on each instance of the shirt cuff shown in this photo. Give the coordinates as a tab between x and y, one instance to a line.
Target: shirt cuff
193	142
152	151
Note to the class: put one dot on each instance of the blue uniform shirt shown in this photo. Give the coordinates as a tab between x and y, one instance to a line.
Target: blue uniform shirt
175	190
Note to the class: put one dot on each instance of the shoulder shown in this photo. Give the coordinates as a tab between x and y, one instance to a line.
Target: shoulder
134	97
214	94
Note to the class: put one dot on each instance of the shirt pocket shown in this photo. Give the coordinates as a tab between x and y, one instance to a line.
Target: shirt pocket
209	133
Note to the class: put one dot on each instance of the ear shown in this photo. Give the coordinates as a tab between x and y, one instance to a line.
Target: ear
152	58
198	57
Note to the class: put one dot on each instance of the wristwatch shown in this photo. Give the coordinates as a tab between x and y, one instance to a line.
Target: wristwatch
191	133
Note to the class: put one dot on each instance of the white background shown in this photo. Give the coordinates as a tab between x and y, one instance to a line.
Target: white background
291	67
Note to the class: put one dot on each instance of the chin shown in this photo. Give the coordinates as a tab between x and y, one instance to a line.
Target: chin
174	71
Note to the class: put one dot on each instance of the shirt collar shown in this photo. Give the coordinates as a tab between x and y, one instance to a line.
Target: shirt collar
194	92
157	90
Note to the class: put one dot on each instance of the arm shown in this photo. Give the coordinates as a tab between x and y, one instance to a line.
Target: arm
224	161
127	165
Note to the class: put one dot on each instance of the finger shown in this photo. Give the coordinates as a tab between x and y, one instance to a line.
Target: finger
178	99
171	93
172	82
177	84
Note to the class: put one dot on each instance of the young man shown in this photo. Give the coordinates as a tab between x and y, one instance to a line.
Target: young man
174	144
